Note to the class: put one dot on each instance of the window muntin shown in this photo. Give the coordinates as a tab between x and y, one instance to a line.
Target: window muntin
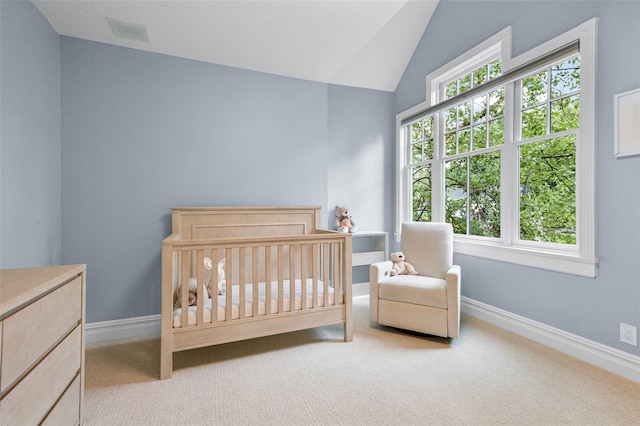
474	78
551	99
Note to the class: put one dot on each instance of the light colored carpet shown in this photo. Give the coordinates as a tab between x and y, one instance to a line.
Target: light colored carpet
488	376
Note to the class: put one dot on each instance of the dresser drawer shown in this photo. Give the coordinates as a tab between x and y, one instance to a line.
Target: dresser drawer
36	393
29	333
67	409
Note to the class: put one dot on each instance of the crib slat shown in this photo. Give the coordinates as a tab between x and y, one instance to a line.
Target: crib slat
292	277
229	276
184	302
303	275
242	281
267	275
200	281
213	285
254	269
280	278
337	288
325	275
314	274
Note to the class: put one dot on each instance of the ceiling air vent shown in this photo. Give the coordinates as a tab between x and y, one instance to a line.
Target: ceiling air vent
136	32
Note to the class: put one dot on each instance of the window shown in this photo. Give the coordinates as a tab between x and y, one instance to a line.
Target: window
473	137
548	124
503	150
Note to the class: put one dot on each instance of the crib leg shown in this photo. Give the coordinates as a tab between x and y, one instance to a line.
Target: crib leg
348	330
166	361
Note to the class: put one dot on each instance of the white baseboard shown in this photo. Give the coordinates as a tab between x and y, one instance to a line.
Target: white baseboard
605	357
616	361
139	327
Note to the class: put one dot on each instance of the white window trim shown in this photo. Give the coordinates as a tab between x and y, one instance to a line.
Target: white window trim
581	260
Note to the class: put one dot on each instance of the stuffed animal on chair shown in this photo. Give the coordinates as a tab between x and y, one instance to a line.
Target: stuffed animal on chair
400	266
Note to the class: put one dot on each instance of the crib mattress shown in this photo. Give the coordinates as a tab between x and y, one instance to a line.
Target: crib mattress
262	301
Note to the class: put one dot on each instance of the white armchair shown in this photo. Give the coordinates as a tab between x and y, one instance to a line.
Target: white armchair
429	302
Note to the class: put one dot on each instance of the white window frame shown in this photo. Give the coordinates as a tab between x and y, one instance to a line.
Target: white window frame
577	260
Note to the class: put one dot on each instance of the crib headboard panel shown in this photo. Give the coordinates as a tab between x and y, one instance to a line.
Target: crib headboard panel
239	222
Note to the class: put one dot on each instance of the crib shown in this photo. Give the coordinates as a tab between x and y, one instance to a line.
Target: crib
280	273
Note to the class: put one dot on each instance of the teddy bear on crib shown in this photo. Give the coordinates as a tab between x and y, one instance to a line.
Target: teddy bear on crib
193	284
344	222
222	282
193	293
400	266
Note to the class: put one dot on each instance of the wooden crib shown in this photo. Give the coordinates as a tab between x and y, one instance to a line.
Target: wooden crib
281	273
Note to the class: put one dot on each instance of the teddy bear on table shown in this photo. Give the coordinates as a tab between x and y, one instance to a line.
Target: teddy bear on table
400	266
344	222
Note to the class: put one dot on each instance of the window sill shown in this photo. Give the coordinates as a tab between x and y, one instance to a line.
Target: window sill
568	263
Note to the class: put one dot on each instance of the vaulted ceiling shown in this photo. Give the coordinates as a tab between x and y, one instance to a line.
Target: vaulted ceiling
348	42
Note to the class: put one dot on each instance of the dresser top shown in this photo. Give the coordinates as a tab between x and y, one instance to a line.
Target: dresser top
19	286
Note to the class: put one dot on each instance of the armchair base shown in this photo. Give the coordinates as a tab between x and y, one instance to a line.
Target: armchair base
405	315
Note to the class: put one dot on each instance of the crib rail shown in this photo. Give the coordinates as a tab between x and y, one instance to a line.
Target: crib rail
316	267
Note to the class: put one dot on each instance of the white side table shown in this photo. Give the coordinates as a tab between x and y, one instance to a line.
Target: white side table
369	247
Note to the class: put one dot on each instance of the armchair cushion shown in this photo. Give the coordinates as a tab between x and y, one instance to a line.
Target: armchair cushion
416	289
428	249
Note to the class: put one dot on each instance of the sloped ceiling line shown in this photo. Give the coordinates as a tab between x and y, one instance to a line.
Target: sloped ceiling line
356	43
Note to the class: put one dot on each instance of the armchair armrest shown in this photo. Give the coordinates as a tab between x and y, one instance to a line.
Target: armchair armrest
453	300
377	271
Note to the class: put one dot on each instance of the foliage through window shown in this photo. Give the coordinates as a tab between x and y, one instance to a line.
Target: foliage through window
547	169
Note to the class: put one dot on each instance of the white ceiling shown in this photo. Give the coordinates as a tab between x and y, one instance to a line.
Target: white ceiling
349	42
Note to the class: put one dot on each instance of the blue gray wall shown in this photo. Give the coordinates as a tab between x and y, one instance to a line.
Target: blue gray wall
143	132
360	173
30	222
592	308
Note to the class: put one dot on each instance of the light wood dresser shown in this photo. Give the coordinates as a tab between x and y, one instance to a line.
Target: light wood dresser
42	345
